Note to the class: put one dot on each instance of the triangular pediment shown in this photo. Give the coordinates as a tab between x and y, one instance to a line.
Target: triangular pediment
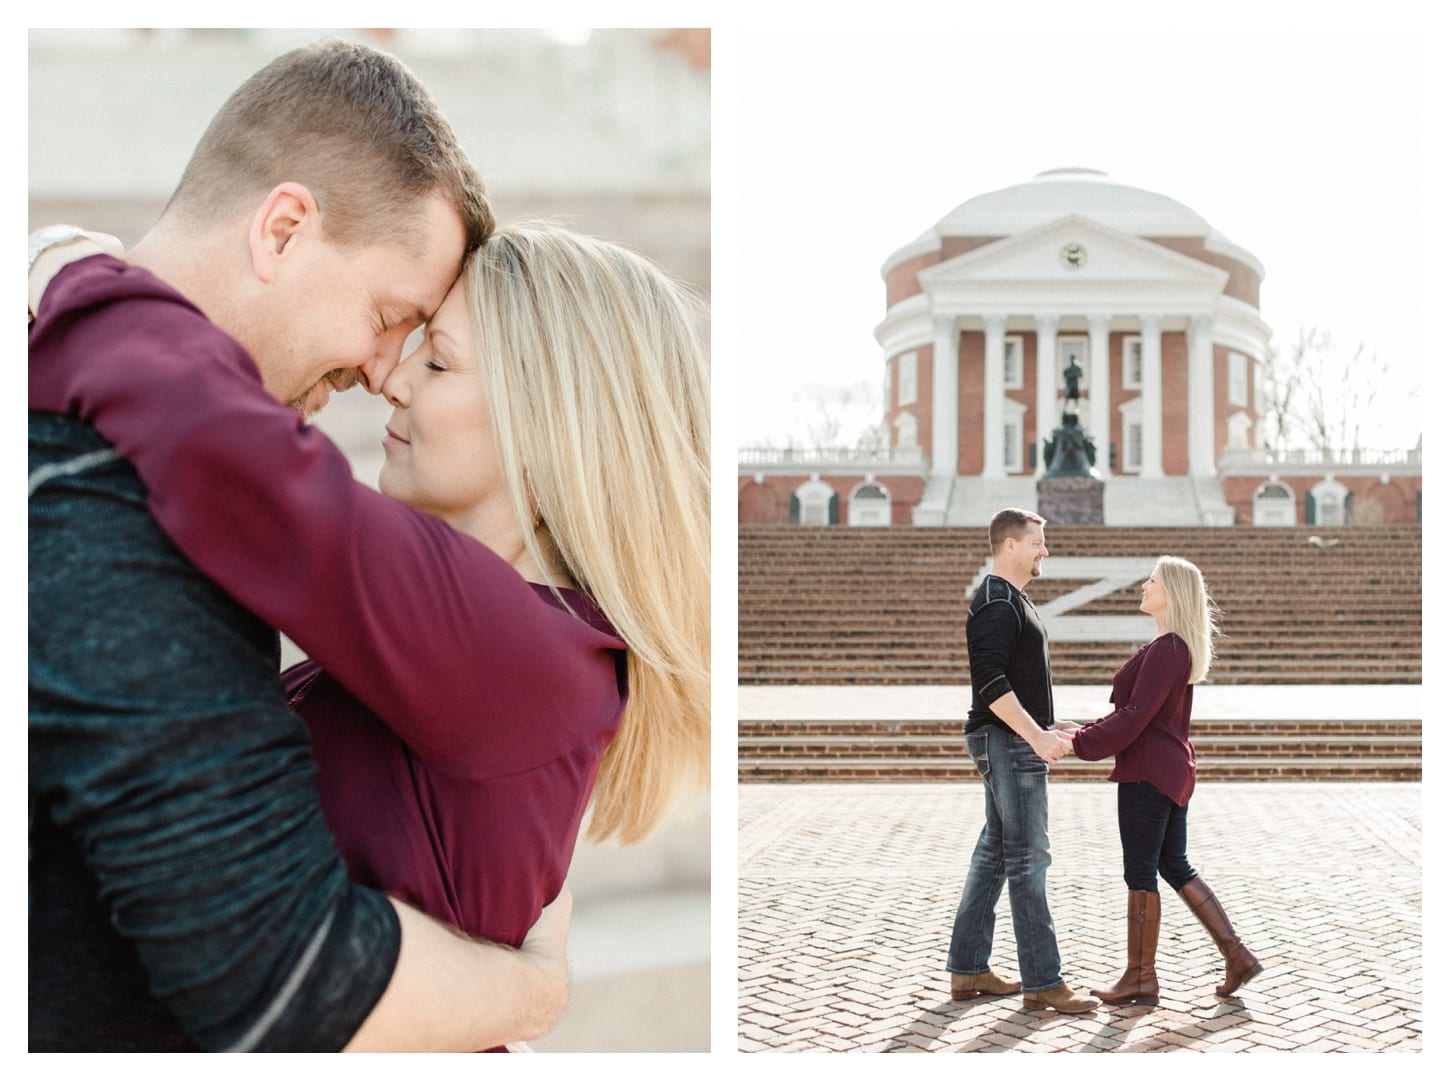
1070	253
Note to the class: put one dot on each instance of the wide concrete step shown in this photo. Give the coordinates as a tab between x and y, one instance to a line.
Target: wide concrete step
869	671
761	769
824	743
906	733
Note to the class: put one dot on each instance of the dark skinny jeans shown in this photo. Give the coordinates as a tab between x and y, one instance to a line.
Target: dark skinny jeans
1154	832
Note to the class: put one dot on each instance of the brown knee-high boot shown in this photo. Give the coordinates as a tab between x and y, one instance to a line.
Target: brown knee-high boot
1139	982
1240	965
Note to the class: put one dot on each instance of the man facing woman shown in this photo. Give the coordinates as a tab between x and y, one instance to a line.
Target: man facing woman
1155	770
517	630
530	635
537	615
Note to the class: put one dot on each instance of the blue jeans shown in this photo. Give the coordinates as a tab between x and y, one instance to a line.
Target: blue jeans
1012	848
1154	832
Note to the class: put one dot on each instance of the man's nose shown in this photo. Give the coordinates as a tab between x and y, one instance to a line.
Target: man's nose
374	372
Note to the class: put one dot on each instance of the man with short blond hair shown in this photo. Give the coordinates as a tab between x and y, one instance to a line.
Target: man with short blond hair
1012	738
184	890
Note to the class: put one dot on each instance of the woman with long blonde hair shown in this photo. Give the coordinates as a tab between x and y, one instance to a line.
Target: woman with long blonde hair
595	365
515	629
1155	769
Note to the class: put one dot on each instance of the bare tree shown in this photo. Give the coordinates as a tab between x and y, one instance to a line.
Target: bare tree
1316	396
847	415
1339	397
1281	384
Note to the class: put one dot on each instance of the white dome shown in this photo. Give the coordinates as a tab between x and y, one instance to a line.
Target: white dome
1050	195
1086	192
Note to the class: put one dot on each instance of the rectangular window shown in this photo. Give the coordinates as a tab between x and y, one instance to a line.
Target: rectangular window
1012	450
1132	363
906	378
1133	461
1238	379
1012	362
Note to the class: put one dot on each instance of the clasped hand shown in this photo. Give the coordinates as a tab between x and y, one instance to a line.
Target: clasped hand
1056	741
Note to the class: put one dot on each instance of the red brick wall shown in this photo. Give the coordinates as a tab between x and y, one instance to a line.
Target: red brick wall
925	392
921	407
1175	404
901	280
1028	397
1389	503
768	503
1243	282
1221	405
972	391
1116	397
764	504
953	246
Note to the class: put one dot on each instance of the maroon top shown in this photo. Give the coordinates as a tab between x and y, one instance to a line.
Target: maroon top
496	703
1149	729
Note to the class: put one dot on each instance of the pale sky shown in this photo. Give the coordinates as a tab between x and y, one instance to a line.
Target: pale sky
1305	149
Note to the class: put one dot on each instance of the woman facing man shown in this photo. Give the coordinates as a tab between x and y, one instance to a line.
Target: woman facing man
1155	770
517	629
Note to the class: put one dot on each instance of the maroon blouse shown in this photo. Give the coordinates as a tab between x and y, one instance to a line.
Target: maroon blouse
1149	730
458	713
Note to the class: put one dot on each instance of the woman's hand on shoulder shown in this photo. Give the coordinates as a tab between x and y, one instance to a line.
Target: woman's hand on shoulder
57	246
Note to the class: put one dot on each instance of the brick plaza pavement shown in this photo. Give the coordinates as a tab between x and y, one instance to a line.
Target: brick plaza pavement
847	893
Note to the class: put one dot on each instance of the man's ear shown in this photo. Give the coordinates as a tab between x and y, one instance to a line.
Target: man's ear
287	218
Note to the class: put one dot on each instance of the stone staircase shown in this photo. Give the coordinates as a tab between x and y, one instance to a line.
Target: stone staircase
1128	501
1228	750
843	606
885	608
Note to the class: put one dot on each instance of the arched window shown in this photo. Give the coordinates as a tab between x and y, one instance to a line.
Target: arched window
1274	505
869	505
814	503
1327	504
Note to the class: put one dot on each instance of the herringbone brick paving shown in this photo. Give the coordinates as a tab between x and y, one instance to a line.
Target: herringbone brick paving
847	893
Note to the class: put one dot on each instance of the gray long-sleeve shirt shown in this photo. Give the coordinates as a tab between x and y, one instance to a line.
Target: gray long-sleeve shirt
184	889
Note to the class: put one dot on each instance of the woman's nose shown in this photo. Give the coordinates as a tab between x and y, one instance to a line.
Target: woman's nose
395	388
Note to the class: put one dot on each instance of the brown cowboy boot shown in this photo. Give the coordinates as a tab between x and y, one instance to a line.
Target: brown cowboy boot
1061	998
1139	982
1240	965
982	983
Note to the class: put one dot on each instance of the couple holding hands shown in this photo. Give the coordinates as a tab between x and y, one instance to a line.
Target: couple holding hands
1013	737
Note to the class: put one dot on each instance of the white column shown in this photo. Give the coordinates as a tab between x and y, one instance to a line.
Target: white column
1200	398
1151	327
994	391
1099	388
1047	415
944	419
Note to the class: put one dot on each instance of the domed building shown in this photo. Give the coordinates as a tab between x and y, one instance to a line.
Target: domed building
1156	315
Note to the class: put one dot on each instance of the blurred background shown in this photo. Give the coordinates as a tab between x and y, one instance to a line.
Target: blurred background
606	131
